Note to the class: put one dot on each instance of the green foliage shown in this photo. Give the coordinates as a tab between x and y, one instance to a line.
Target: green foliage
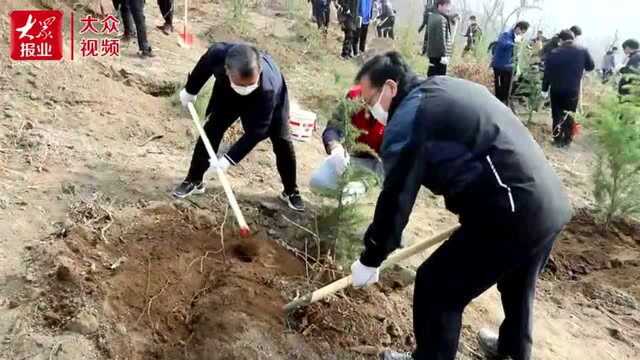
530	83
343	222
408	43
295	8
616	128
201	102
236	18
480	51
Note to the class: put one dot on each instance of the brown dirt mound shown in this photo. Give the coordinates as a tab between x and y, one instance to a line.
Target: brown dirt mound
165	288
597	268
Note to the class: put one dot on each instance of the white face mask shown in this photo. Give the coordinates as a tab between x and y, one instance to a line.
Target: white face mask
378	112
244	90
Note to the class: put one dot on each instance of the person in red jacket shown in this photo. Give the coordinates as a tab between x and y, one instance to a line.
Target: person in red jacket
327	175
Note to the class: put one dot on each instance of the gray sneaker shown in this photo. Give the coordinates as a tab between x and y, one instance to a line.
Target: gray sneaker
393	355
187	188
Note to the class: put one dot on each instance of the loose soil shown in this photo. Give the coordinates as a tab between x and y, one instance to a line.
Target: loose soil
97	262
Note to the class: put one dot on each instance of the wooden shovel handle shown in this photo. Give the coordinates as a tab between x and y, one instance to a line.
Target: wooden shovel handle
345	282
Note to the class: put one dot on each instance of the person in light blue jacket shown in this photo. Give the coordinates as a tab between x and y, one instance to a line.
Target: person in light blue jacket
365	16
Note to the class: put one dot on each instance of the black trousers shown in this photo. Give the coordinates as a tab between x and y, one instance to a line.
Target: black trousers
469	263
360	40
563	104
347	43
166	9
436	67
125	14
132	12
502	80
322	14
278	133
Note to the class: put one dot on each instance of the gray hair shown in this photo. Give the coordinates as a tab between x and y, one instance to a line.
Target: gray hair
243	59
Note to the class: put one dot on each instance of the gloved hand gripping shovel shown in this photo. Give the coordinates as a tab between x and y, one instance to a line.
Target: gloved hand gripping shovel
345	282
244	228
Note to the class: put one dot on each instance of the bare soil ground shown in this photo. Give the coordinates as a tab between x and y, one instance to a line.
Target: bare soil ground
98	262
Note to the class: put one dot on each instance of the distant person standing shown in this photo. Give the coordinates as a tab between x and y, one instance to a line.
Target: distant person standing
609	64
538	41
632	66
564	70
473	35
127	22
387	20
439	39
503	62
429	7
322	14
348	18
132	12
554	42
166	9
365	16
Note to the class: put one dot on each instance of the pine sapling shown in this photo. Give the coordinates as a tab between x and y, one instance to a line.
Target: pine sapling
616	129
343	223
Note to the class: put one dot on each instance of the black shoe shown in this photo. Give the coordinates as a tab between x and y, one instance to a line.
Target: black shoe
166	29
187	188
147	54
294	200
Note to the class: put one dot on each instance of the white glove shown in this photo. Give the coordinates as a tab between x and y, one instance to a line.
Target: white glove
222	164
186	98
339	158
545	94
444	60
364	275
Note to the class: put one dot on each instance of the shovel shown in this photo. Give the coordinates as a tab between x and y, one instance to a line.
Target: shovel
244	228
186	39
345	282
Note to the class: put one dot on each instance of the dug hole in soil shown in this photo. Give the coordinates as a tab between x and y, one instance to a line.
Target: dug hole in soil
162	287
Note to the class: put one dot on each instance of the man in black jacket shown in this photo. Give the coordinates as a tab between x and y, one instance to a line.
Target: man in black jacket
456	139
248	86
563	72
631	68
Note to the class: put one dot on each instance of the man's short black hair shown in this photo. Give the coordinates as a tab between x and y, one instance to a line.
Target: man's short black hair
576	30
522	25
631	44
473	17
389	66
442	2
243	59
566	35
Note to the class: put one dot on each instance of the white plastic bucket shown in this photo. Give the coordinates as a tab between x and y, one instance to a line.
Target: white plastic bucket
301	124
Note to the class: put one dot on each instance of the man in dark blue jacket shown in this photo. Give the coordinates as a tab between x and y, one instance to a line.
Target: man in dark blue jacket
248	86
563	72
456	139
504	59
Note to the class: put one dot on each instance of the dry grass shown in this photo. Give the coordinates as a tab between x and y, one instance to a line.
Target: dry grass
478	72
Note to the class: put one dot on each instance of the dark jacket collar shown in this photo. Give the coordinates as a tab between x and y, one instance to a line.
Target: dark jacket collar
406	86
